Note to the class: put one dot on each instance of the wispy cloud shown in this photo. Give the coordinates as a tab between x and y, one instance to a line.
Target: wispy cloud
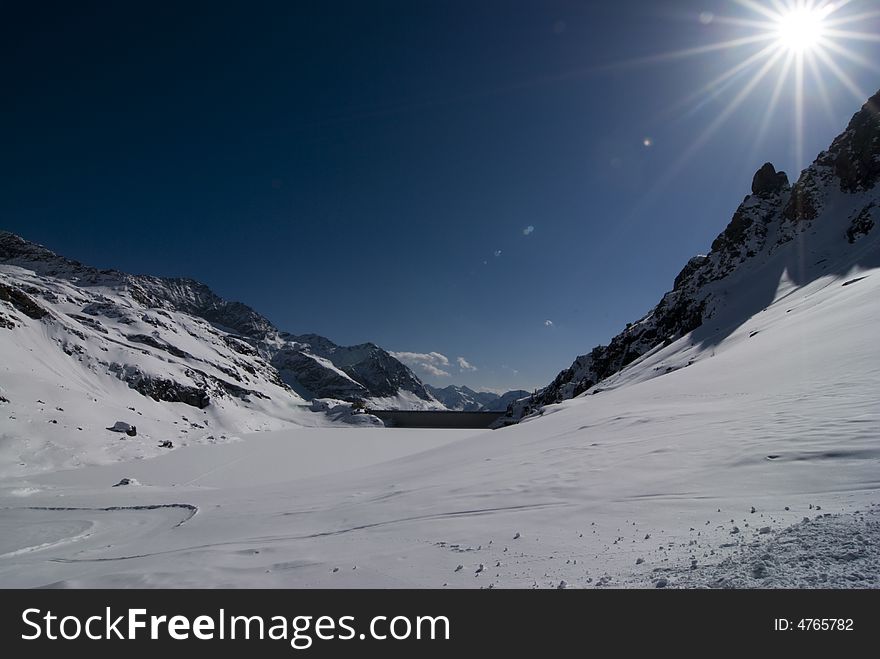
465	365
433	370
427	362
529	229
497	252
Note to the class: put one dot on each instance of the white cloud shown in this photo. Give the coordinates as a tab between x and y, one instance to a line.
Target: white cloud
465	365
548	323
427	362
529	229
497	252
439	358
433	370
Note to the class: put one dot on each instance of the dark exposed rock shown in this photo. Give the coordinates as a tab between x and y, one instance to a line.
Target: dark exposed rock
240	345
861	224
153	342
22	302
107	309
768	181
688	271
240	392
141	296
122	426
126	481
161	389
89	322
856	153
732	236
802	205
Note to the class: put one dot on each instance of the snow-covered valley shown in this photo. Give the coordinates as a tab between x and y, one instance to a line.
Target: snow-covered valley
622	488
730	437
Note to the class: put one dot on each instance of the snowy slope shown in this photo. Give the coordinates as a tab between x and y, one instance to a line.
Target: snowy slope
83	349
311	365
781	237
94	356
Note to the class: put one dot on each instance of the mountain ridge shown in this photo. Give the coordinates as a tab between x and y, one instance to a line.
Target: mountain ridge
462	398
376	374
841	180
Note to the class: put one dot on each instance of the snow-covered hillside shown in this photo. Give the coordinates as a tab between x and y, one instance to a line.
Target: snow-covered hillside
781	236
312	365
83	349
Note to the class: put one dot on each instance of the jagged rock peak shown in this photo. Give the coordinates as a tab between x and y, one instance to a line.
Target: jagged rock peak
768	181
856	153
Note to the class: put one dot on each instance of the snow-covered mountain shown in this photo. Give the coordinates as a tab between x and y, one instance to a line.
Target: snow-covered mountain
318	368
465	399
823	224
83	348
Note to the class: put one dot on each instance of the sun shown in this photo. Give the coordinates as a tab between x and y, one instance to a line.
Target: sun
801	30
794	52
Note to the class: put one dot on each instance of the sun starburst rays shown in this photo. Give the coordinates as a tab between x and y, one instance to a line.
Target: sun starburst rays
805	40
799	77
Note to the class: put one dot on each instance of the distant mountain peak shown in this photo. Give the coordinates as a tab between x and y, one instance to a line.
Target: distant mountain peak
464	399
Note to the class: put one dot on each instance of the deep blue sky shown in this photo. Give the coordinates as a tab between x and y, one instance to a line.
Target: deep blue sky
352	168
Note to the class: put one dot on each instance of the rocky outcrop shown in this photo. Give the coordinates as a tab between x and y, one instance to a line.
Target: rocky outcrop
861	224
123	427
855	155
22	302
146	339
767	181
161	389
